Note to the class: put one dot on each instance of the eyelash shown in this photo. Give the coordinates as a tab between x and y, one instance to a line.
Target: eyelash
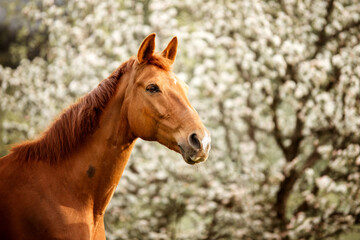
153	88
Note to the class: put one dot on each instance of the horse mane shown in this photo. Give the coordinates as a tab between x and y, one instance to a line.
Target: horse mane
79	120
69	130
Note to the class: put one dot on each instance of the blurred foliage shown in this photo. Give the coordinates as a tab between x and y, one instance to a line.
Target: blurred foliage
276	82
19	38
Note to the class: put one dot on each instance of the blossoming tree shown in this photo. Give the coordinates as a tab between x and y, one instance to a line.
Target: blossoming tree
277	82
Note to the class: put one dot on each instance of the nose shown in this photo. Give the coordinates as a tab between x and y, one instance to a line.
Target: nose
200	146
194	141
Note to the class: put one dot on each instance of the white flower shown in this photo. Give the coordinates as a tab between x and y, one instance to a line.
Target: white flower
323	182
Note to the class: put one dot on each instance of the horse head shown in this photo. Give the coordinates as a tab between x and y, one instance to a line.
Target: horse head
160	110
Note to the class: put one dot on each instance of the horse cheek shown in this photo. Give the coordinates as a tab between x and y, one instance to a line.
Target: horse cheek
143	126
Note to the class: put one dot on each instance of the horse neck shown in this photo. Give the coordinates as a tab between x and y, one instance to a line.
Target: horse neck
97	167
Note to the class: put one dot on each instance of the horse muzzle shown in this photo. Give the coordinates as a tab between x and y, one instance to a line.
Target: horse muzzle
197	147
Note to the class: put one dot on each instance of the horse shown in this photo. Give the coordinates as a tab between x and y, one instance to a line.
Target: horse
59	185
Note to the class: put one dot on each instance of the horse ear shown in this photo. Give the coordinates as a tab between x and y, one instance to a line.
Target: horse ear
147	48
170	51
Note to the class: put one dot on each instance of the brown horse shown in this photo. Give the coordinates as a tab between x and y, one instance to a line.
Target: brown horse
58	186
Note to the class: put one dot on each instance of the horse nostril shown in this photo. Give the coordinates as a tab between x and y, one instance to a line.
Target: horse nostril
194	141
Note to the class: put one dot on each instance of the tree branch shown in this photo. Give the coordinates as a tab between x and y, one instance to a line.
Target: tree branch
288	183
344	29
323	38
227	130
276	131
293	149
321	42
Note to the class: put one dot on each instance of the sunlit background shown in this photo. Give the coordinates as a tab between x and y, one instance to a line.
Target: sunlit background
277	83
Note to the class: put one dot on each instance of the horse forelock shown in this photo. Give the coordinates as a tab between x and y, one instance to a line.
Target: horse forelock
160	61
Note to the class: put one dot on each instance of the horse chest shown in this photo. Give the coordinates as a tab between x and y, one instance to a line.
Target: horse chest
30	212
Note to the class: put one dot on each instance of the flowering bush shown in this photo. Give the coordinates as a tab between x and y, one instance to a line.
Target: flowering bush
277	83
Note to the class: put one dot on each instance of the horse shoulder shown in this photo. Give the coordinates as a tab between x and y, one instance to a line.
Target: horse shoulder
32	205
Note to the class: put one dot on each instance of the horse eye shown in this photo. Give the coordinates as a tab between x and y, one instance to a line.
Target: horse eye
153	88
